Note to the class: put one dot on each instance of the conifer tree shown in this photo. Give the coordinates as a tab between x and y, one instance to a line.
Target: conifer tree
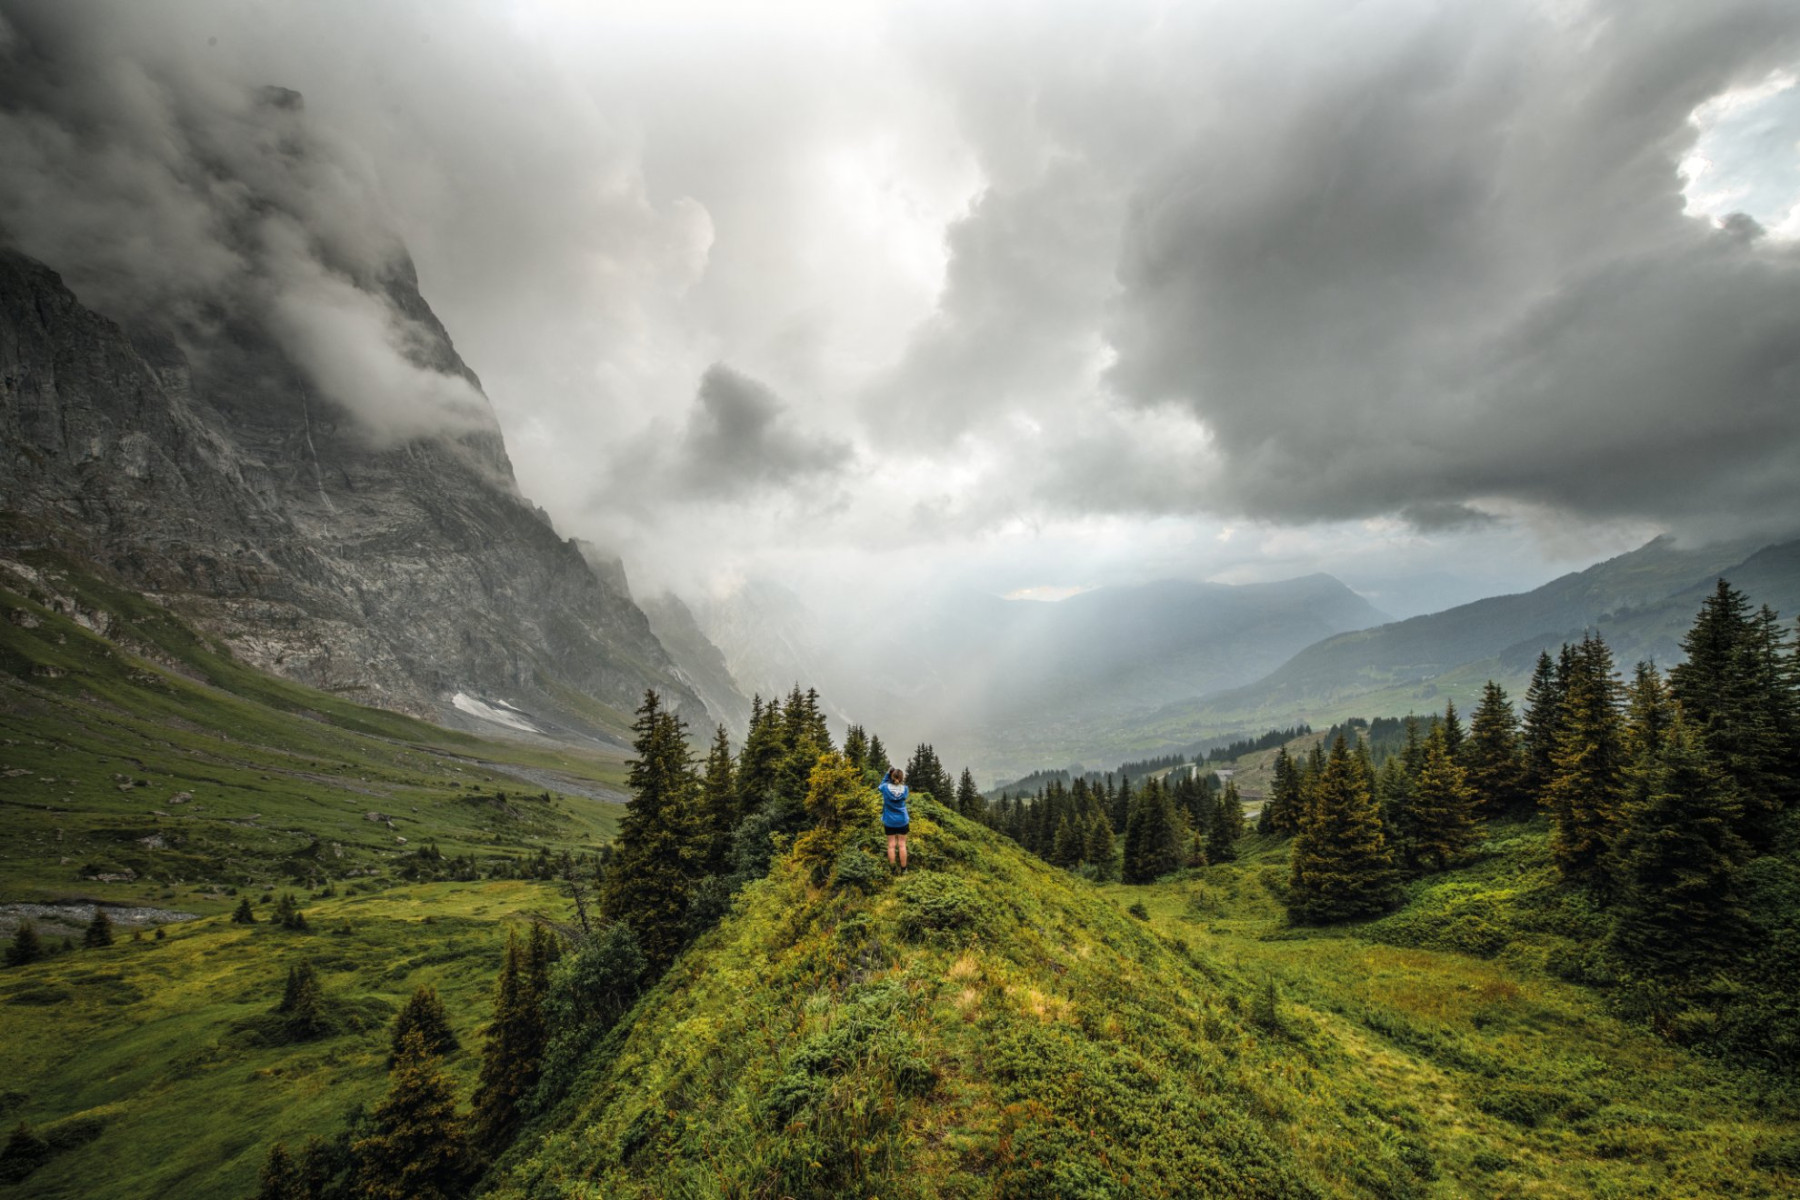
1067	846
759	765
839	801
425	1015
1152	835
968	800
303	1003
1098	846
25	946
878	757
99	931
719	806
1120	804
281	1178
1679	912
1281	811
1341	867
1453	730
1734	691
1586	790
659	848
926	774
417	1146
1490	755
243	914
1394	800
1543	717
856	746
1226	825
1442	811
512	1053
287	912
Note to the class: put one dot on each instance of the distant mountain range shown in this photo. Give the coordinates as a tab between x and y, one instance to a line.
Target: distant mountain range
1641	603
1002	683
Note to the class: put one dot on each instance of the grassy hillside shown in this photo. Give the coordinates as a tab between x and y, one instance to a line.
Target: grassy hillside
991	1026
139	763
159	1068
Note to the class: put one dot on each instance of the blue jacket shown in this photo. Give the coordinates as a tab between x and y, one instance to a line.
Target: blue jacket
893	805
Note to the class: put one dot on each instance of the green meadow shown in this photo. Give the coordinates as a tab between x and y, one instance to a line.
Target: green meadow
985	1026
992	1026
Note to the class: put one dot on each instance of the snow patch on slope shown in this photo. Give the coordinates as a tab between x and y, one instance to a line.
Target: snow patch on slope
505	715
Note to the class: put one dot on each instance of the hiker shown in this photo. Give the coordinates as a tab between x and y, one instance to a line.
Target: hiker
893	814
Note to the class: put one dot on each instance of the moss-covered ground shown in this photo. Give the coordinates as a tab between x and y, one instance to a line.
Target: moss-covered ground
161	1067
991	1026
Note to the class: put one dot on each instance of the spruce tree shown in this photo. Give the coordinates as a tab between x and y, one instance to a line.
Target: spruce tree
99	931
417	1148
1067	846
856	746
1453	730
968	800
1490	754
1587	787
1679	913
1226	825
1281	811
25	946
512	1051
243	914
1734	690
1543	717
759	765
1394	800
303	1004
425	1015
1119	805
878	757
1097	847
719	806
660	847
1152	835
926	774
1442	811
287	912
281	1178
1341	867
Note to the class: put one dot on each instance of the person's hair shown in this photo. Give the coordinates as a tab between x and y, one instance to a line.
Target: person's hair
896	775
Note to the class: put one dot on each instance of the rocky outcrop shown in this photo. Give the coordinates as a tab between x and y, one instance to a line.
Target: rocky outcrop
211	475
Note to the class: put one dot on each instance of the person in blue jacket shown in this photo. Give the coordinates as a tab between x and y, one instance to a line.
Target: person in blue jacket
894	817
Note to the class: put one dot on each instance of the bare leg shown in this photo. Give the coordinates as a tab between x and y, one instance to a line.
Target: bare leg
902	842
892	842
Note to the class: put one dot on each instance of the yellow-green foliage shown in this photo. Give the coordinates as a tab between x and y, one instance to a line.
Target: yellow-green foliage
161	1068
987	1026
991	1026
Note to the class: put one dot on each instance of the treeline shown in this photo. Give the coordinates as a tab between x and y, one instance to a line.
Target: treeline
1268	741
1672	807
1108	830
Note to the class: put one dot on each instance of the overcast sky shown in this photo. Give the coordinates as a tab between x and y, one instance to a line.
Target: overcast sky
1443	298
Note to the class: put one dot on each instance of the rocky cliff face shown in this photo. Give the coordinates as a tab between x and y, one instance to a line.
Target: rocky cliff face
202	466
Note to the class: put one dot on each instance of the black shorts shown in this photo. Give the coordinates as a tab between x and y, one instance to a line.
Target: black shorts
897	830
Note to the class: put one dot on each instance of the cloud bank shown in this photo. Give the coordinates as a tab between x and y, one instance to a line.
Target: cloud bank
1044	294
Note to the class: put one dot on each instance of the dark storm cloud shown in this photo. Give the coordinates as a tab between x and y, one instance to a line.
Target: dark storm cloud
739	441
739	438
1453	267
166	194
1428	261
